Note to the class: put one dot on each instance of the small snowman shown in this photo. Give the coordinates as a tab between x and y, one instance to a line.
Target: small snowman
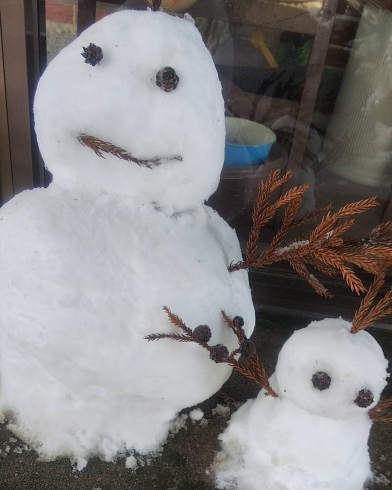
308	428
130	122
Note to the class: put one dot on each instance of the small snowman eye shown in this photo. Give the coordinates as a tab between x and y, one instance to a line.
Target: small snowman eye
321	380
167	79
92	54
364	399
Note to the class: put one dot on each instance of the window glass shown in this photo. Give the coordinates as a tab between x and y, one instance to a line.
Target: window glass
317	74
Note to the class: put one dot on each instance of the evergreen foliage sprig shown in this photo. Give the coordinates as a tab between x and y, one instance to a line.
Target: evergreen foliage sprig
326	248
99	147
249	364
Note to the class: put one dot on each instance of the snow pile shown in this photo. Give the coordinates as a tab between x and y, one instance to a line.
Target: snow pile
196	414
87	264
131	463
314	435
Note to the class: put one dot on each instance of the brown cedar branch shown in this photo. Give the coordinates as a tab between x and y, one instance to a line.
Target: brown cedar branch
172	336
268	213
301	269
310	216
324	248
176	320
380	407
99	147
289	216
365	313
250	367
254	369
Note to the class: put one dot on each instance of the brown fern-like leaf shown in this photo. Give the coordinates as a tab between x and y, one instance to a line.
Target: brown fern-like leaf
301	269
261	215
374	413
330	220
254	370
99	147
289	216
238	330
310	216
176	320
357	207
251	367
172	336
367	314
354	283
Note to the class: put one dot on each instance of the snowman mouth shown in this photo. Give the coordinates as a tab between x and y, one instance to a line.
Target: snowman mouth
99	147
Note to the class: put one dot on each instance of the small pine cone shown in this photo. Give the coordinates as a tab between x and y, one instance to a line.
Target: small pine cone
167	79
219	353
92	54
248	348
238	321
364	399
202	334
321	380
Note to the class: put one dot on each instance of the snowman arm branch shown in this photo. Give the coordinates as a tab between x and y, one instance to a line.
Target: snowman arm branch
176	320
250	365
172	336
381	407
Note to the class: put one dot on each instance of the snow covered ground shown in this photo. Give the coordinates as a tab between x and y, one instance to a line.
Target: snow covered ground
186	456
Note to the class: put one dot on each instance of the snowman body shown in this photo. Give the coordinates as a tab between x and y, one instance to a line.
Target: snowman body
308	438
87	265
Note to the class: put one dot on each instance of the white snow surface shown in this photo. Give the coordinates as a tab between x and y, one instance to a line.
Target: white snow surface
119	102
87	264
307	439
196	414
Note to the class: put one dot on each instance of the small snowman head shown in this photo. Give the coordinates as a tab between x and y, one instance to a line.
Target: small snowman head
331	372
133	107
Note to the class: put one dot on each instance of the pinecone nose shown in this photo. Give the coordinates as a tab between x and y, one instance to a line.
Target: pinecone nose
167	79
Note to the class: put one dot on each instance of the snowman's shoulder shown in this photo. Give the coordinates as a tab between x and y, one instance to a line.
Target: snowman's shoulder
27	220
223	232
23	210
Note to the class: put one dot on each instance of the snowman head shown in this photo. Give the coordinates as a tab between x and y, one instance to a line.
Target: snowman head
144	84
330	372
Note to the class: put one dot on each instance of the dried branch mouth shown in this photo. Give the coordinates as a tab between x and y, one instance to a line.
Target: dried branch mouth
99	147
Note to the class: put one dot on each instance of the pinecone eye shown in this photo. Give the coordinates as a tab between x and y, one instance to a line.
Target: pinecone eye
364	399
92	54
321	380
167	79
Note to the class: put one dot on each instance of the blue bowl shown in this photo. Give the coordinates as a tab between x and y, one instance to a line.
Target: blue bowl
247	143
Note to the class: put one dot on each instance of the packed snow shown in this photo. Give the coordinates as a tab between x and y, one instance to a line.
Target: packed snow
314	435
196	414
87	264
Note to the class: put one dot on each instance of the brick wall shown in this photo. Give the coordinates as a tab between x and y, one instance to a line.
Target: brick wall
66	11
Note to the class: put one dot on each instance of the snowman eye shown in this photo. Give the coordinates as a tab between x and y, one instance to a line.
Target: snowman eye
321	380
167	79
92	54
364	399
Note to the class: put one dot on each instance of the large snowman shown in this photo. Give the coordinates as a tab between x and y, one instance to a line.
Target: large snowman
313	435
130	122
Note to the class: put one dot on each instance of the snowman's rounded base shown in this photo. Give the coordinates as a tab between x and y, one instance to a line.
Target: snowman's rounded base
76	304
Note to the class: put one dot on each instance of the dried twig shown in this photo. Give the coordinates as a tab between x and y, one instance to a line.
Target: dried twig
99	147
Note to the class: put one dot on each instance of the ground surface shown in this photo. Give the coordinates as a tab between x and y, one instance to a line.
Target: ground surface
184	461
